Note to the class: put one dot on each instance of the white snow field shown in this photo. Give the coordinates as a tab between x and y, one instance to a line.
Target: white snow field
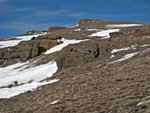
65	43
122	25
9	43
27	80
104	33
9	74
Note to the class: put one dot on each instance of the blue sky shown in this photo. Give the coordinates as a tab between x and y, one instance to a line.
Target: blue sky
20	16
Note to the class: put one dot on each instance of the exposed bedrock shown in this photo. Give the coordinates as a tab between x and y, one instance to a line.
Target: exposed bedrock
74	55
25	50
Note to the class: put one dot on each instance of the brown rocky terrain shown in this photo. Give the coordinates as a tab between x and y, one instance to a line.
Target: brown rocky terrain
92	78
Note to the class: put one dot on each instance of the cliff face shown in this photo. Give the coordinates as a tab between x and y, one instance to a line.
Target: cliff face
97	66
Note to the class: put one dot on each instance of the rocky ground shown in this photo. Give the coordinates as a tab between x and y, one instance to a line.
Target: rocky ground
91	80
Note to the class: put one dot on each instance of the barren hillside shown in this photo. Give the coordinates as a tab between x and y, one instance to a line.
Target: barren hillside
95	66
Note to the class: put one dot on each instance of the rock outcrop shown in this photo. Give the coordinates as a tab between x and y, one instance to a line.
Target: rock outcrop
31	49
76	55
25	50
83	53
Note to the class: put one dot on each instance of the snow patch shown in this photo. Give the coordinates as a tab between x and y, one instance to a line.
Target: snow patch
10	92
74	26
112	56
122	25
92	30
9	75
77	30
14	42
145	45
143	102
122	49
125	57
26	80
140	103
65	43
54	102
128	48
104	33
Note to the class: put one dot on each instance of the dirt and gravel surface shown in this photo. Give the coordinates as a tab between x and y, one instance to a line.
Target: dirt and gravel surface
88	81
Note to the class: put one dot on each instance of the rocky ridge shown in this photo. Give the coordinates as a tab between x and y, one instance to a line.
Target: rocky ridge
108	73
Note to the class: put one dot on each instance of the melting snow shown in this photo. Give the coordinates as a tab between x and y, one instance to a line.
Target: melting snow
18	39
104	33
10	75
10	92
125	57
77	30
92	30
54	102
128	48
143	102
122	25
112	56
145	45
140	103
74	26
65	43
122	49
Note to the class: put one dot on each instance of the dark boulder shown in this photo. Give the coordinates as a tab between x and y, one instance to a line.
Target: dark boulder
33	48
28	49
74	55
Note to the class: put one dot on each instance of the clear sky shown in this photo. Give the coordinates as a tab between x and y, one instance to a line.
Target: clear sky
20	16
